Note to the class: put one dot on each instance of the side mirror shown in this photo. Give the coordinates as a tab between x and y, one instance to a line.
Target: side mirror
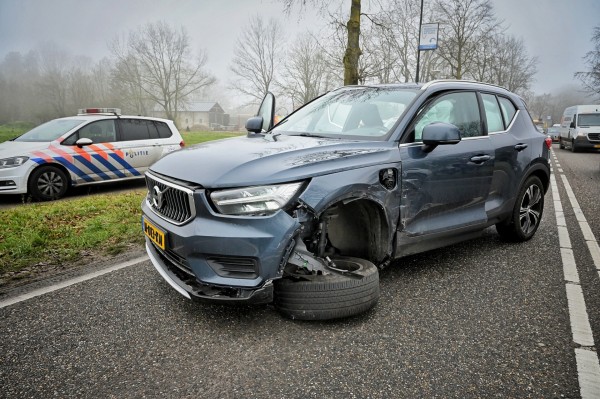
267	111
572	125
439	133
83	142
254	124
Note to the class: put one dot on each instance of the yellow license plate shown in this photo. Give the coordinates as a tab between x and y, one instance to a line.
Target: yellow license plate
154	234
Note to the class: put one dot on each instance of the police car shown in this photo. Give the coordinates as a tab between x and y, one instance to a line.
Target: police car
98	145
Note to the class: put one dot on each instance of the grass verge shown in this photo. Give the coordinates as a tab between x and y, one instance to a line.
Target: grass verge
41	236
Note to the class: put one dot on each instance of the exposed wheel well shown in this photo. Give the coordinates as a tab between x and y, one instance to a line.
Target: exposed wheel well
359	228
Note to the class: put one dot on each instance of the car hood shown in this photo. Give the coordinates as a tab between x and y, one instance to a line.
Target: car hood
247	161
10	149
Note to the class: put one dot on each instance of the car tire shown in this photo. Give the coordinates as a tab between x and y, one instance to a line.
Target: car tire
527	213
573	148
560	144
47	183
330	296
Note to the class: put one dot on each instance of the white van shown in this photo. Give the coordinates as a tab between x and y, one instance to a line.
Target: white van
580	127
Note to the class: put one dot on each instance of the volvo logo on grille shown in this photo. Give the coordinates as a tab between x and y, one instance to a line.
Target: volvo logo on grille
157	196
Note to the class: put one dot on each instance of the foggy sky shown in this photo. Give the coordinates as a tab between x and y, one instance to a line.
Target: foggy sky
558	32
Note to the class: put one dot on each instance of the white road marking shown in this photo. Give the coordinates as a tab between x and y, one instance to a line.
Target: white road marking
67	283
588	235
586	357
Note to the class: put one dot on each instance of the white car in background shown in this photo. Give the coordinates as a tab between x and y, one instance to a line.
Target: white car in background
96	146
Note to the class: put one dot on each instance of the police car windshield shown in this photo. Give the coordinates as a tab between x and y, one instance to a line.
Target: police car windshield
51	130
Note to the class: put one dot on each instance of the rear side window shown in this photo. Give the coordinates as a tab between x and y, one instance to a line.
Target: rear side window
508	110
137	129
163	130
492	113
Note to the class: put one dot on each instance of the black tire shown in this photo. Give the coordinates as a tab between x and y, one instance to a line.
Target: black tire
47	183
560	144
331	296
527	213
573	148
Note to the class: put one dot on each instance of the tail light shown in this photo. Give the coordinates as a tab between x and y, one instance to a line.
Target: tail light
181	144
548	142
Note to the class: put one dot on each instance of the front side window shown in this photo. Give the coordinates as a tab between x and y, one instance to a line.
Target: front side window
460	109
99	132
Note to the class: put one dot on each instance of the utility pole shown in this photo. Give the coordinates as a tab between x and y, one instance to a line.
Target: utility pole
418	46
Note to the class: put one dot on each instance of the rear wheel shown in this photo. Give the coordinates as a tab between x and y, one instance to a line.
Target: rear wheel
331	296
527	213
47	183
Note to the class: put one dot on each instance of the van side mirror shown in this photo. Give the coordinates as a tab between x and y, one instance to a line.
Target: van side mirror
572	125
439	133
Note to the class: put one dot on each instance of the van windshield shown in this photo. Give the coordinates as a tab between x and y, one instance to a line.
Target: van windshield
586	120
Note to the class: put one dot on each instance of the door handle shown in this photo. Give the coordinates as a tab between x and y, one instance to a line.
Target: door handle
520	146
479	159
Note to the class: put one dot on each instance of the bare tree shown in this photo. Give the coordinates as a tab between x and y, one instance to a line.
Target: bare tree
511	66
463	22
54	80
353	52
305	71
255	54
157	59
591	77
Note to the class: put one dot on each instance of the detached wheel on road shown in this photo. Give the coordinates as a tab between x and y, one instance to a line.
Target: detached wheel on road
527	213
331	296
47	183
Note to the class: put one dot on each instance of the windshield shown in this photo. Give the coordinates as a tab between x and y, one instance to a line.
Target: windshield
358	112
50	130
588	120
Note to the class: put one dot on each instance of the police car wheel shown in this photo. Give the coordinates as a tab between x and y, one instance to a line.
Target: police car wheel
47	183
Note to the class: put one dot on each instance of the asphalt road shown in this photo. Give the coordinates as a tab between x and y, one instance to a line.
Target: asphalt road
482	319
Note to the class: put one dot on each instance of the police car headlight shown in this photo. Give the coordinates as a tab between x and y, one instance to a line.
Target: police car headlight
257	201
12	162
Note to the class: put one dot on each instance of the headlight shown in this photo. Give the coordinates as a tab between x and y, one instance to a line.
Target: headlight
260	200
12	162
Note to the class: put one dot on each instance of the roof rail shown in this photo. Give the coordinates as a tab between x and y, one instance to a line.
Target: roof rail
432	82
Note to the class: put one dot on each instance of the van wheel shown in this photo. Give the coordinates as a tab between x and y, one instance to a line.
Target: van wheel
560	144
332	296
573	148
527	213
47	183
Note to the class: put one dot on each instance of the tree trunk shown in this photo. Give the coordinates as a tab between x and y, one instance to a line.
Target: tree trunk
353	49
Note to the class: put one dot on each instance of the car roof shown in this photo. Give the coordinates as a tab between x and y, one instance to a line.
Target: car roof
92	117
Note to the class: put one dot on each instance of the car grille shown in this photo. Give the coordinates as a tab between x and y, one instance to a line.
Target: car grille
234	267
594	136
170	201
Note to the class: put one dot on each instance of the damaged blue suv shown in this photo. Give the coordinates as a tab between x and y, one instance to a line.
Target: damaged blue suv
304	213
